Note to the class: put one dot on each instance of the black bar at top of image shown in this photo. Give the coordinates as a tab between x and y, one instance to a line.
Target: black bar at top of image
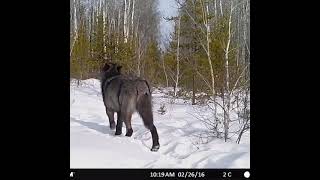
204	174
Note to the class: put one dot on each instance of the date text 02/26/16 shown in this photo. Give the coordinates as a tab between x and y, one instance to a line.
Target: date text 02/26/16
186	174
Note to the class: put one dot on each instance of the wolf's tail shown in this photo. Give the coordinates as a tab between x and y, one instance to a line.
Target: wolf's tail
144	108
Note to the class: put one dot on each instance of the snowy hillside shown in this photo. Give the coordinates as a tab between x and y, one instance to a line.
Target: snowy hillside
94	145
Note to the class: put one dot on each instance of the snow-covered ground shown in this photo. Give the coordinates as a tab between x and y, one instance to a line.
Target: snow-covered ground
94	145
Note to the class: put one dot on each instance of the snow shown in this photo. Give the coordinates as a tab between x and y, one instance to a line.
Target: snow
94	145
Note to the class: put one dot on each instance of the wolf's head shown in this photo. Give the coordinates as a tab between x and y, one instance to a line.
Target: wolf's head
110	70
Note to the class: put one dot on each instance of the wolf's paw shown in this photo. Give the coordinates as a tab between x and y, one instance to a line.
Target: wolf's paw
118	133
155	148
129	132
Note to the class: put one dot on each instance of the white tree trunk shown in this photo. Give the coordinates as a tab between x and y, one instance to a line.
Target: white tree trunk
178	61
205	12
215	10
228	93
128	19
125	20
132	16
138	51
208	51
221	10
139	58
104	28
118	32
75	36
227	50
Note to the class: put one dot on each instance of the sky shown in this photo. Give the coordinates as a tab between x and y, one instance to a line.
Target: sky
167	8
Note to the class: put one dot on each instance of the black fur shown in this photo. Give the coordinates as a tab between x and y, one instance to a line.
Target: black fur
125	95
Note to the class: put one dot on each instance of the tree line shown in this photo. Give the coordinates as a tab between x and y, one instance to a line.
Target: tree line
124	31
206	57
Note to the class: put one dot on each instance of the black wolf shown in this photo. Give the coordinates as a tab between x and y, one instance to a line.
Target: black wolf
126	95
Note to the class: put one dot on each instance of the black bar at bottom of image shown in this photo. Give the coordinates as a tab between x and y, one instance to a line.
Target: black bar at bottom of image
104	174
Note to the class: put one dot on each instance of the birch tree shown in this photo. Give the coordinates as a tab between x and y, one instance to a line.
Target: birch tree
178	61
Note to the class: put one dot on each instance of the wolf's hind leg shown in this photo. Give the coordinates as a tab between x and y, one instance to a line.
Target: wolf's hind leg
110	114
119	124
127	120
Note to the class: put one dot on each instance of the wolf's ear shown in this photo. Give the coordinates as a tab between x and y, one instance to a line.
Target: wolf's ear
106	67
119	68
